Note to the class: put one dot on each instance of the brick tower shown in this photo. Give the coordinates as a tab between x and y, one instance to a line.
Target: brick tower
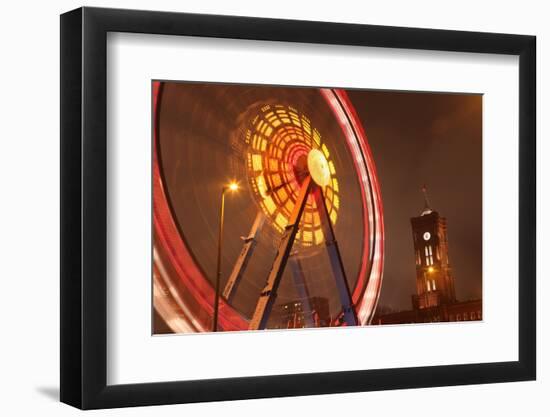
434	280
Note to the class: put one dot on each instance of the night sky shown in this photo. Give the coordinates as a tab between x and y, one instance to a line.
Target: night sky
432	139
416	139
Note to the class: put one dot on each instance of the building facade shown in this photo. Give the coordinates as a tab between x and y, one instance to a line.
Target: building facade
311	312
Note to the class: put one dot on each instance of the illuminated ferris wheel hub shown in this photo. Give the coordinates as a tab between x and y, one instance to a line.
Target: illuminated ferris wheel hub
284	149
318	167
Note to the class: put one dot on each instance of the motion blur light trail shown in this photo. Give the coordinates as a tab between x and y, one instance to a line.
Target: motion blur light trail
208	134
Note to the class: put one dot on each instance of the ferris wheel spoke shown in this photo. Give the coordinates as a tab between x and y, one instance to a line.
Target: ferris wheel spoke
277	188
247	250
301	288
269	293
348	310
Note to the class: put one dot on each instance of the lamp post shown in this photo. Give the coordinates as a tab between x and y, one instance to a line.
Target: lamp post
233	186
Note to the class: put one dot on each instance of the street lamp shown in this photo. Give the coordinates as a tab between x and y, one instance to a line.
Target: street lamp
233	186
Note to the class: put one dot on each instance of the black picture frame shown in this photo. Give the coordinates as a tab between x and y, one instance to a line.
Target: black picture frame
84	207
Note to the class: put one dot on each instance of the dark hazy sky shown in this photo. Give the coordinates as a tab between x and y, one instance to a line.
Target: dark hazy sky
432	139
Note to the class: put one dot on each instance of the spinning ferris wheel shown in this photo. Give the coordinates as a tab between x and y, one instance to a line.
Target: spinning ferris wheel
309	222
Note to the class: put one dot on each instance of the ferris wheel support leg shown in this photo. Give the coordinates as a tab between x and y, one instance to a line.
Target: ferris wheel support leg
348	310
239	268
301	288
269	293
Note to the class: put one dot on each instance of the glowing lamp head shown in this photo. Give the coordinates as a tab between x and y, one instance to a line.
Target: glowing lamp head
430	269
318	167
233	186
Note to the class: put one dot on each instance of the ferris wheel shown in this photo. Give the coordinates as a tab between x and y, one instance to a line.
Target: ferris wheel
308	219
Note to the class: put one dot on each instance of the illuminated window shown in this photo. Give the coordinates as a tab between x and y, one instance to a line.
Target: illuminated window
325	151
329	193
335	186
433	285
256	162
429	255
318	236
269	205
336	202
316	136
281	221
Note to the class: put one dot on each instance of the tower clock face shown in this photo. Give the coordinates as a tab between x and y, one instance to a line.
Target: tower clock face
426	236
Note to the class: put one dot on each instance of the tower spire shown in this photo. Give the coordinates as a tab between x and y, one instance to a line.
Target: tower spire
427	209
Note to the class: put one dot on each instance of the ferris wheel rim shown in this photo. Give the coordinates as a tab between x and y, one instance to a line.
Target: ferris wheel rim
171	242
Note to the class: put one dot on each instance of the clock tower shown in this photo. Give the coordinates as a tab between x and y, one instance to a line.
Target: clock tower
434	280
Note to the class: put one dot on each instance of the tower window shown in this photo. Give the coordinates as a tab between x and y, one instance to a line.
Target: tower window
433	285
429	255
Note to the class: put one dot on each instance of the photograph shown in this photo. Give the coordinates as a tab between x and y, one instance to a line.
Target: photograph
244	208
289	207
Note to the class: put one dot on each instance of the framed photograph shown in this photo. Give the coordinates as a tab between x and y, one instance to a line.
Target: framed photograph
257	208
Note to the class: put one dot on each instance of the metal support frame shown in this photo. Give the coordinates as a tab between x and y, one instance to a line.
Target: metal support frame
269	293
348	310
301	288
242	261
